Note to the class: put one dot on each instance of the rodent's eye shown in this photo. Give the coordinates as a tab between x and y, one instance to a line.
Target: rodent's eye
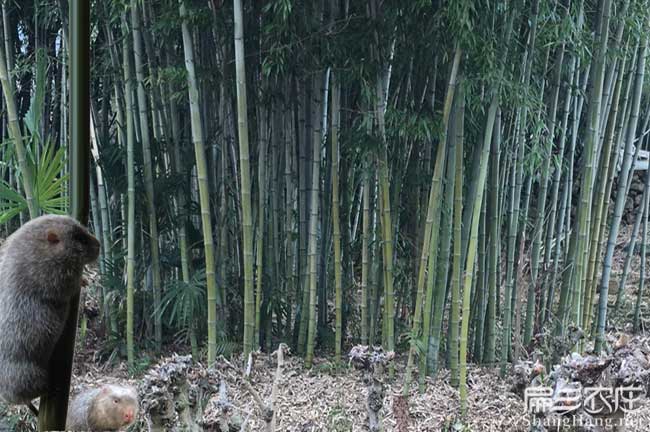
116	401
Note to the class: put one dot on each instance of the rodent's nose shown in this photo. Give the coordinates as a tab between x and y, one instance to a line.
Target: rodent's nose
128	416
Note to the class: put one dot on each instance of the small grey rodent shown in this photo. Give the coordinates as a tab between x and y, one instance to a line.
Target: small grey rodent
41	267
108	408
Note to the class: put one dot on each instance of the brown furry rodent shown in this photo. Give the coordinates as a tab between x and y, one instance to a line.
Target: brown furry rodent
41	265
107	408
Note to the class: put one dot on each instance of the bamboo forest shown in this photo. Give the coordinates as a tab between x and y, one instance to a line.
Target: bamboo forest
328	215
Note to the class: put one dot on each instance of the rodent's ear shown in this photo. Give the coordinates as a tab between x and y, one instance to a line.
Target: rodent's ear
52	237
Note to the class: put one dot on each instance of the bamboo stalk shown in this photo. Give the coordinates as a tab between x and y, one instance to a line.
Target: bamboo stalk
336	223
204	191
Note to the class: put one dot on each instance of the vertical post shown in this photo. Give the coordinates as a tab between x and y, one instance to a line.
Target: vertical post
54	404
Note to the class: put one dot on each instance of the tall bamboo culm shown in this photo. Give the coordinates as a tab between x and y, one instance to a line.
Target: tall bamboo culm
244	164
336	222
202	177
454	314
472	248
130	223
320	83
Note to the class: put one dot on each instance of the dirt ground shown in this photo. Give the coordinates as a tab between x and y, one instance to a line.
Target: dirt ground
328	399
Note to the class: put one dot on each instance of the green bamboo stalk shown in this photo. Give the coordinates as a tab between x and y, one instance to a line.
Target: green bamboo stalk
365	261
204	191
644	245
471	251
441	273
304	200
224	241
261	220
8	40
290	202
130	222
471	187
161	122
494	242
375	280
181	203
435	298
275	250
119	91
518	297
336	223
182	213
314	214
244	161
454	320
480	301
508	293
386	223
107	241
631	246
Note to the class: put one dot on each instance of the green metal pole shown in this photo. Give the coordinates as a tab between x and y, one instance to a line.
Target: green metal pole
54	404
